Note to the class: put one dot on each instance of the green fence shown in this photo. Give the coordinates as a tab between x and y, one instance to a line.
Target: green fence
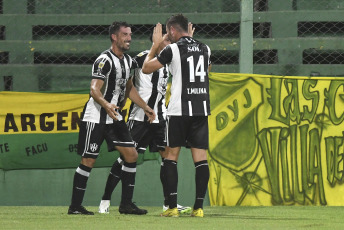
51	45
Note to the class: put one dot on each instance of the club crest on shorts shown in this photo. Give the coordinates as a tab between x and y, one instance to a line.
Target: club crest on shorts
93	147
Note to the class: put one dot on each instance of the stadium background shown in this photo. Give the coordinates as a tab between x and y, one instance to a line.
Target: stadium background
49	46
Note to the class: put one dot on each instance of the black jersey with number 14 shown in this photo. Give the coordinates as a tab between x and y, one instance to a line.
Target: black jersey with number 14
188	61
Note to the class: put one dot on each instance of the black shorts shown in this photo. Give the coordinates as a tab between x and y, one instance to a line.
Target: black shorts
92	135
146	134
187	131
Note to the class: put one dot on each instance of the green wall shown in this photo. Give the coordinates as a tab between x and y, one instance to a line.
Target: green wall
54	187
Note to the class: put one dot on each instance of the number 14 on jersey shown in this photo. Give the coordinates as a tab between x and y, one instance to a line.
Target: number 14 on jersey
199	70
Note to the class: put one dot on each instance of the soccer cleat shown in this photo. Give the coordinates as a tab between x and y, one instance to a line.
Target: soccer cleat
184	209
164	208
197	213
79	211
131	208
181	209
171	212
104	206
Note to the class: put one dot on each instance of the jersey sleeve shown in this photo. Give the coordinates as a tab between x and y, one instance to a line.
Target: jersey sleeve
140	58
165	55
101	68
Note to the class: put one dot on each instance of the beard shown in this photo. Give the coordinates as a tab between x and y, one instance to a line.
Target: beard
124	47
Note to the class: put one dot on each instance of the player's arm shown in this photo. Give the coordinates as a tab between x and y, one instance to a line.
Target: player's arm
135	98
151	63
100	70
96	85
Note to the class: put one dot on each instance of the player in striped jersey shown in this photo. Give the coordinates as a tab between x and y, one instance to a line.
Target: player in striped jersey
101	120
188	61
152	89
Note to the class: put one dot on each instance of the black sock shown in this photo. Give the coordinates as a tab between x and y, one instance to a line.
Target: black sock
202	178
128	182
171	175
113	179
79	184
163	181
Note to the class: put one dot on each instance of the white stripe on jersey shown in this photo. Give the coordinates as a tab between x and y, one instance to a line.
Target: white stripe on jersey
92	111
190	108
209	53
175	104
205	108
116	92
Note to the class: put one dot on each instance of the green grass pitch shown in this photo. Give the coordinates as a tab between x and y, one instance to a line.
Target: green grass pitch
277	217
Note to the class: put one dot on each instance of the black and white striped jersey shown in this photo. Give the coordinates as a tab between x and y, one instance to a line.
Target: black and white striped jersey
152	89
188	61
115	73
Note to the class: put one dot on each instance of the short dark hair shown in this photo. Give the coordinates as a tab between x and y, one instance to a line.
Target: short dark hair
179	21
115	26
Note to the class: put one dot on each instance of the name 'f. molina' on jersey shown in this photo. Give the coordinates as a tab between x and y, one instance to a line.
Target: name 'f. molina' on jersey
115	73
188	61
151	88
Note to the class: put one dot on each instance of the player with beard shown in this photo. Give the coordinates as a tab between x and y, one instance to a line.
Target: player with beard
102	120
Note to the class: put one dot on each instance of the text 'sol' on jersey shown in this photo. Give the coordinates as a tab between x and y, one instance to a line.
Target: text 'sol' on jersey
115	73
188	61
152	89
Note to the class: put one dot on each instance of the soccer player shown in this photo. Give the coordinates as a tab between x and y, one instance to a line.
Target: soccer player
187	113
101	119
152	89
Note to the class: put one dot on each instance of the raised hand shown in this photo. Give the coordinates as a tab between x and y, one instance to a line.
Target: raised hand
157	34
191	29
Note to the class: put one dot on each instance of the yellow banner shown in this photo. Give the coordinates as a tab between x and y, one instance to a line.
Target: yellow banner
273	140
51	122
276	140
40	112
23	112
